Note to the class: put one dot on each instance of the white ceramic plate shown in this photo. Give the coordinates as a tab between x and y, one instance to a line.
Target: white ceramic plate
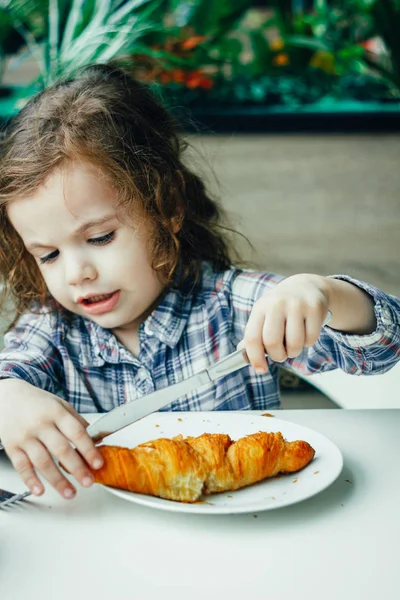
266	495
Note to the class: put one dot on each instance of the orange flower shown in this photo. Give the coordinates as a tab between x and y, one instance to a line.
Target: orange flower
178	75
281	59
196	79
206	84
192	42
191	79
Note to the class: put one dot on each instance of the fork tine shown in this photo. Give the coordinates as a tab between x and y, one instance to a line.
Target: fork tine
7	498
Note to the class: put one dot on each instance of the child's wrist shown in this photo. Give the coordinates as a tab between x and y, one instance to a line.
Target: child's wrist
351	307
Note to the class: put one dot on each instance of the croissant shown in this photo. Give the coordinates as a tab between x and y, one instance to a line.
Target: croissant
183	469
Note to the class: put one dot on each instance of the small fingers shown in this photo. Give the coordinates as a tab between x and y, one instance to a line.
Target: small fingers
69	458
294	334
25	470
75	431
44	463
313	329
274	336
253	341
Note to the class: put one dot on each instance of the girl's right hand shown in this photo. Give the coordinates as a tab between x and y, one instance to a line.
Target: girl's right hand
36	426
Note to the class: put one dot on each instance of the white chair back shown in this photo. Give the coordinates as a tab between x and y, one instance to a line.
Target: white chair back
353	391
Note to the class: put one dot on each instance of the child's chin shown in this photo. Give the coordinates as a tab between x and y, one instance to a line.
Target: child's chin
107	321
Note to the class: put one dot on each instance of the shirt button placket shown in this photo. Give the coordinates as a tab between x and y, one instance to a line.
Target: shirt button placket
144	381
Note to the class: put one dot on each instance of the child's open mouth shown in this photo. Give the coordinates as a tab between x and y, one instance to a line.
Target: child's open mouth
101	303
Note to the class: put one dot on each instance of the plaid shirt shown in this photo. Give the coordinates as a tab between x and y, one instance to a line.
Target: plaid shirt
86	365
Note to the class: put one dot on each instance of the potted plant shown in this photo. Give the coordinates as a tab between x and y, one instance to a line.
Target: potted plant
333	66
62	35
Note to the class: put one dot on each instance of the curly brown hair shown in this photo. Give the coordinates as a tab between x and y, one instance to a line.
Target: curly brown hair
105	117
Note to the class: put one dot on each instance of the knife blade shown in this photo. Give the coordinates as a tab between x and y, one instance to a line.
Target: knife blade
126	414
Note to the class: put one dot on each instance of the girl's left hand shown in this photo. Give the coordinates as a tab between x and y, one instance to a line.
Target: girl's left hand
286	319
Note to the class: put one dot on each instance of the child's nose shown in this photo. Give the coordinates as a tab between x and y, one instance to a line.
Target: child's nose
78	271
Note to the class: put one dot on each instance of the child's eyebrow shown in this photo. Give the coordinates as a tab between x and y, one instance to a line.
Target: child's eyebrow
85	226
81	229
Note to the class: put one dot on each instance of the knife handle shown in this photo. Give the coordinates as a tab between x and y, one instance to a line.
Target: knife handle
229	364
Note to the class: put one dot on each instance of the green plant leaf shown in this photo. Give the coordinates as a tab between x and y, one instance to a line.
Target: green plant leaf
308	42
54	28
74	19
262	53
230	48
219	20
83	32
121	9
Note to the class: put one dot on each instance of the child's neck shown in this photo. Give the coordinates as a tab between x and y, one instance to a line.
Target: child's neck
129	336
129	339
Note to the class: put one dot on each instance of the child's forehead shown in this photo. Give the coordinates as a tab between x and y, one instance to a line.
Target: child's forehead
72	194
80	187
72	176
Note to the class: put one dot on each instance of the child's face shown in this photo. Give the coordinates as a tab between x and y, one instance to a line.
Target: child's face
94	261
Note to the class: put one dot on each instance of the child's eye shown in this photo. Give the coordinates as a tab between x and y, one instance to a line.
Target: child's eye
49	257
102	240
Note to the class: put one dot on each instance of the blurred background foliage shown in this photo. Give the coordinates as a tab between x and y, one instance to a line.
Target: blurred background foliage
220	53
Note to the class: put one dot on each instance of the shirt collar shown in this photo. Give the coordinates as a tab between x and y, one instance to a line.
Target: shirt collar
103	346
168	321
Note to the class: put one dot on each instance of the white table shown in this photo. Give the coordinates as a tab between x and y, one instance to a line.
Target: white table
341	544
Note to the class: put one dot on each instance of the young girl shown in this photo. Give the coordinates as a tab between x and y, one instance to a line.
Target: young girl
115	259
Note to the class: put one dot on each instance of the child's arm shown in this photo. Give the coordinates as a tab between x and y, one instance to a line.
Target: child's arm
36	426
285	320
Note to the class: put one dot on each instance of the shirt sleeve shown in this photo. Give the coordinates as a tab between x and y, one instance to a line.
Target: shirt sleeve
368	354
30	353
